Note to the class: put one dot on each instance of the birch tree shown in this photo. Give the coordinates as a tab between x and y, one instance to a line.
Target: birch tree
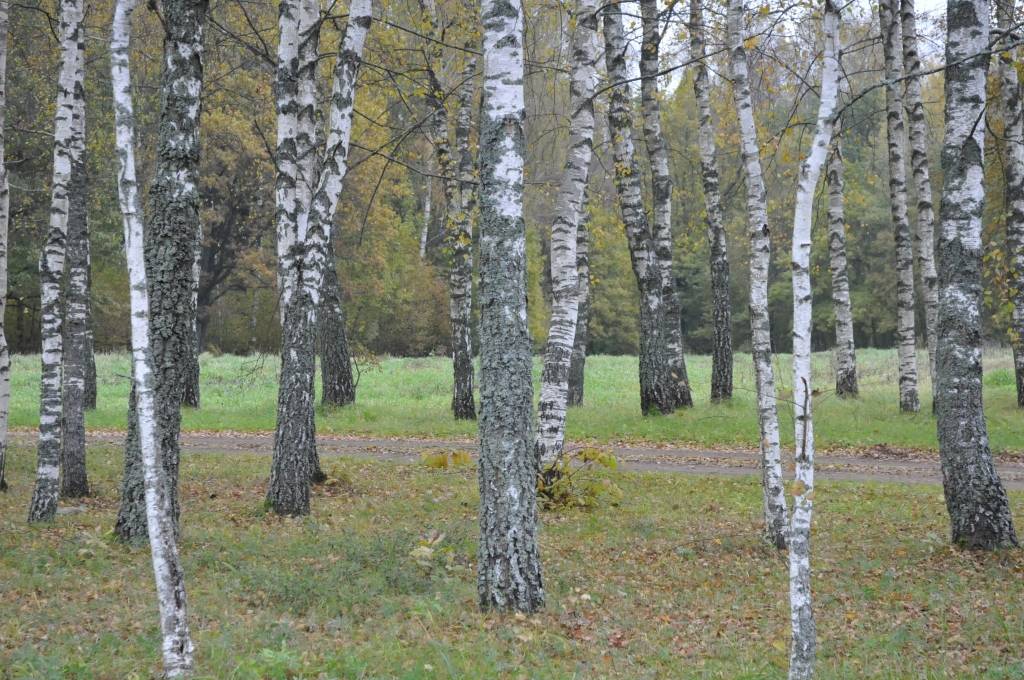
508	560
5	205
775	513
661	180
339	386
569	208
296	461
43	506
846	358
176	640
802	651
978	508
1013	190
896	133
721	302
578	361
657	393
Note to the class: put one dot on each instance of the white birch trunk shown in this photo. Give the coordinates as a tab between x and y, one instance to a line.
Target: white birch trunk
177	648
846	358
428	191
5	203
775	513
896	132
804	643
43	507
569	207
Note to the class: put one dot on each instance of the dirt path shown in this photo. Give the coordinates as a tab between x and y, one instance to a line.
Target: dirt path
878	464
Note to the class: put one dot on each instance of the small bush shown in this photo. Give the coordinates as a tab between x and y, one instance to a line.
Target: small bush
442	460
571	480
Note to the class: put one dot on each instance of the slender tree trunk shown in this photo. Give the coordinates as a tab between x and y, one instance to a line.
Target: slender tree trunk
804	643
657	391
892	47
177	648
5	205
924	235
978	508
508	561
569	209
190	385
130	526
295	460
74	481
1013	192
335	361
775	513
661	223
51	266
721	302
846	358
578	362
428	199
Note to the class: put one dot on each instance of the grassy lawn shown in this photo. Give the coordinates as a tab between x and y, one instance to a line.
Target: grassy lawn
404	397
672	583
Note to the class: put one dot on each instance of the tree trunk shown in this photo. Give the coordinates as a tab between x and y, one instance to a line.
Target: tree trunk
657	391
74	481
804	643
978	508
428	199
569	209
924	235
177	648
846	358
508	560
295	460
190	385
43	506
335	360
5	215
578	363
760	260
130	526
661	180
1013	192
891	44
721	302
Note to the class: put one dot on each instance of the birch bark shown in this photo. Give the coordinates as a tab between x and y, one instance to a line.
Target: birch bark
578	363
339	386
978	508
846	358
804	643
895	130
508	561
569	208
721	303
43	506
5	204
775	513
176	646
657	393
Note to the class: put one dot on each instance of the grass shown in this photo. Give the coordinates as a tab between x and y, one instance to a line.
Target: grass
411	397
672	583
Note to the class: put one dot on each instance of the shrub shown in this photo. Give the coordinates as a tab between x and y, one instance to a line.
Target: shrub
571	481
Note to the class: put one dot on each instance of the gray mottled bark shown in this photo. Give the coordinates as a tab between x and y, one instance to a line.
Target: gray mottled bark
896	132
130	526
775	513
846	357
721	302
339	386
43	506
508	561
5	215
979	511
1013	190
661	222
569	208
657	391
578	363
190	381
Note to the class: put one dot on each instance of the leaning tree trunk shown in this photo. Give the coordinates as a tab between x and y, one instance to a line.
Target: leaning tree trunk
295	460
1013	192
5	205
924	235
508	559
43	507
578	362
657	391
846	357
74	482
177	648
661	180
339	386
760	259
891	46
569	209
979	511
721	303
804	643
